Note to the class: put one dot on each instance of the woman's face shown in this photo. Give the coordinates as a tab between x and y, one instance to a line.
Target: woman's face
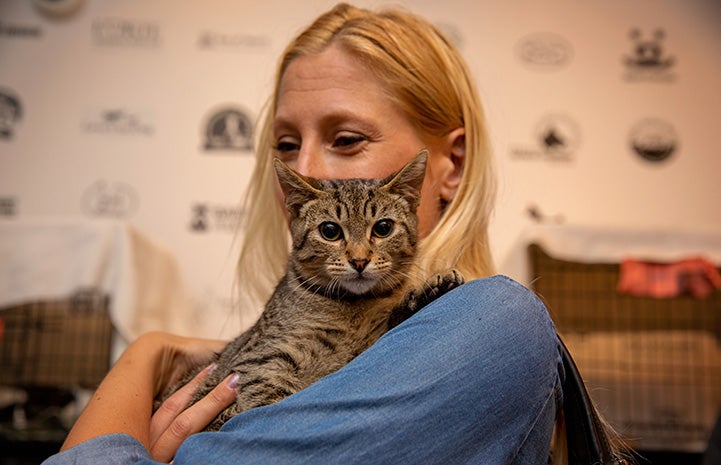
334	121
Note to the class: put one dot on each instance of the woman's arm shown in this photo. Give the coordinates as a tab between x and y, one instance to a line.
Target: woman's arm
123	402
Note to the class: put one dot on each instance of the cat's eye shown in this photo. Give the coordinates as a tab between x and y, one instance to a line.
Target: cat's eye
383	228
330	231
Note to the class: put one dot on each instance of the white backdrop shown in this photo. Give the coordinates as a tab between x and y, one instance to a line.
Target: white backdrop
602	113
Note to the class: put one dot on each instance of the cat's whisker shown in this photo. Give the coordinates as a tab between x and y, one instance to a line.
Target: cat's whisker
409	276
299	284
313	281
392	280
335	286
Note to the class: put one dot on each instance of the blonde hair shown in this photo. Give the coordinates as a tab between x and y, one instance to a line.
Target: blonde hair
427	77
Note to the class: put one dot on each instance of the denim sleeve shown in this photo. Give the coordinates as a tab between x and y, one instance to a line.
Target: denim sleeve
471	378
112	449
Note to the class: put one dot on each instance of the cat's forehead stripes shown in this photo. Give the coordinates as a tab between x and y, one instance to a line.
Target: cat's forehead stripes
370	205
354	194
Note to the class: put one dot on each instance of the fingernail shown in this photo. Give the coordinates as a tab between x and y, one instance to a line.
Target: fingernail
234	381
211	368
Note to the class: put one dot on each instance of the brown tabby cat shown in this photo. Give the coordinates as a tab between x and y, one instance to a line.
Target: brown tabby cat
353	250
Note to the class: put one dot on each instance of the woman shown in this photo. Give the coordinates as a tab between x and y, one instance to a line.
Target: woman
472	378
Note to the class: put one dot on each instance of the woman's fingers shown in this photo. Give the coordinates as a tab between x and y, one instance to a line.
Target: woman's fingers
182	354
175	423
174	405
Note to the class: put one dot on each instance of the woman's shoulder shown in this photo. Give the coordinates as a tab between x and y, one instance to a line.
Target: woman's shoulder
502	287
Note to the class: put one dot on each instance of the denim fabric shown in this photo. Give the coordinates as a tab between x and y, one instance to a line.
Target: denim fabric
472	378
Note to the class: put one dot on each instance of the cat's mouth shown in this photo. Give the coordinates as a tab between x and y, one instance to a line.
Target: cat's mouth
359	283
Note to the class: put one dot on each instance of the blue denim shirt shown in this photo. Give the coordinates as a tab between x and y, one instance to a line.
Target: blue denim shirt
472	378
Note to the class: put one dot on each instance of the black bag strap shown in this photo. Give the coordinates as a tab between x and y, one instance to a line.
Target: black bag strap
588	443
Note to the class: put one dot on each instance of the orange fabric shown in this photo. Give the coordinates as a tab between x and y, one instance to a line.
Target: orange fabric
692	276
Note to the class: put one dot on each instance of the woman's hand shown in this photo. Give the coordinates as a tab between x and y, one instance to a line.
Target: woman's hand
123	402
172	422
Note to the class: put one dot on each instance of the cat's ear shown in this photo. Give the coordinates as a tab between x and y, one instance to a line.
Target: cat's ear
408	181
298	189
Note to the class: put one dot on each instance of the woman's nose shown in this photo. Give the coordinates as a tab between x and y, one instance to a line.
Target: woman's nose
310	162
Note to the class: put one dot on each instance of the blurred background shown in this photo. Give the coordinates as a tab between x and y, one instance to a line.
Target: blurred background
125	149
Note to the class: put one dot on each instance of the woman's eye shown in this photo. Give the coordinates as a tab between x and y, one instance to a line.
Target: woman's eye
383	228
286	146
330	231
348	140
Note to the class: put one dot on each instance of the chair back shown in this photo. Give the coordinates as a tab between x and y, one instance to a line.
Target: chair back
588	442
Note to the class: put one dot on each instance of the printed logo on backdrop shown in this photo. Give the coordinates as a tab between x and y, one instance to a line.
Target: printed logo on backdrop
8	206
654	140
536	214
11	111
222	41
544	51
20	31
110	200
117	32
118	121
228	129
556	138
206	217
57	8
648	61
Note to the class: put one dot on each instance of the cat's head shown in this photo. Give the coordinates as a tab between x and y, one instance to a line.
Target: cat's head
353	236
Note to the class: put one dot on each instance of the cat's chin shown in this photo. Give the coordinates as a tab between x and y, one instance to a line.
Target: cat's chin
359	285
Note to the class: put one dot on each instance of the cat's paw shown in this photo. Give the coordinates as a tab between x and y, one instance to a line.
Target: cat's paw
441	283
416	299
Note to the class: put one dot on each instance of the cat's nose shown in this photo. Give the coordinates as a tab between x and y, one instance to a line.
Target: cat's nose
359	264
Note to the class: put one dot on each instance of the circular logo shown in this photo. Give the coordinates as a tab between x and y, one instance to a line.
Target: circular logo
57	8
654	140
559	135
11	111
229	129
544	51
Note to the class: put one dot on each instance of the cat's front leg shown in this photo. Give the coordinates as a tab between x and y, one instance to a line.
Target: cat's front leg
416	299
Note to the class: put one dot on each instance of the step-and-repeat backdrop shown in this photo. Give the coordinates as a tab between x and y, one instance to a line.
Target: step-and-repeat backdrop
601	114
